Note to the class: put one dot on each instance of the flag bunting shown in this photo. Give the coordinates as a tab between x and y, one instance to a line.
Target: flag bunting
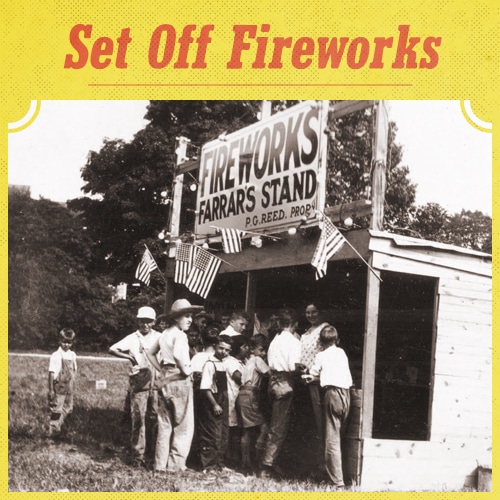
330	242
231	239
146	266
203	272
184	260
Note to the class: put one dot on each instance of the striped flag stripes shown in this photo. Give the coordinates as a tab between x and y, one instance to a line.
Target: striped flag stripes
185	255
203	272
146	266
231	239
330	242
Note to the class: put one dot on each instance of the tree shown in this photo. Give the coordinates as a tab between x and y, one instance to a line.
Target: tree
127	179
466	229
49	283
349	172
429	222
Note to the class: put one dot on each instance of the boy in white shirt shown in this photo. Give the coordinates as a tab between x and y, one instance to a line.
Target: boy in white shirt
283	358
237	323
213	408
62	374
331	367
142	390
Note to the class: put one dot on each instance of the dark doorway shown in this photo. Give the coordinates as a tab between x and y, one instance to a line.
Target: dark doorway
404	357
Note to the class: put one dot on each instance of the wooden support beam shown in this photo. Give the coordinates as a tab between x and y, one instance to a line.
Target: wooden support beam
169	294
343	108
358	208
188	166
370	352
379	167
251	294
175	214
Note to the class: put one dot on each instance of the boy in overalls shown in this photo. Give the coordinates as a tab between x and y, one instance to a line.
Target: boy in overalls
213	417
62	374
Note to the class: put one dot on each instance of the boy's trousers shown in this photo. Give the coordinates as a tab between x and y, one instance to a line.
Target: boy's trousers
336	409
143	410
213	429
62	403
175	424
281	414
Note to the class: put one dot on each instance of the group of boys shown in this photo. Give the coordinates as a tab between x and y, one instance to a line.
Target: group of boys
242	390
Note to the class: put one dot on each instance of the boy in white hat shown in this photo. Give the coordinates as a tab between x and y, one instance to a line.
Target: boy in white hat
170	354
142	388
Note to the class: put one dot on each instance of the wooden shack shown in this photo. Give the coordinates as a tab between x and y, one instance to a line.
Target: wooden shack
447	369
416	326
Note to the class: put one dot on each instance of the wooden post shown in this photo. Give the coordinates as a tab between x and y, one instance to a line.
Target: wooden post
323	154
370	351
265	110
379	162
175	214
175	218
251	293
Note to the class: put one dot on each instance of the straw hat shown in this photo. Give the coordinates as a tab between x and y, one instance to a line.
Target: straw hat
183	306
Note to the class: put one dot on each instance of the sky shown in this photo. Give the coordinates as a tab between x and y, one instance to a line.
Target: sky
449	160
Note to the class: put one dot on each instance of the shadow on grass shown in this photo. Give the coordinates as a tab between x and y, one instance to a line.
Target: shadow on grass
98	432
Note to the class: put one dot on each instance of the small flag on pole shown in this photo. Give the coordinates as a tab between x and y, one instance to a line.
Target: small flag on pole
330	242
203	272
146	266
231	239
184	259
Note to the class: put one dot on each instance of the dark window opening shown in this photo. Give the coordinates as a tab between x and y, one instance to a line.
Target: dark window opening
404	352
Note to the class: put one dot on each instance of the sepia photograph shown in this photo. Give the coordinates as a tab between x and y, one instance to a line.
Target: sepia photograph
250	296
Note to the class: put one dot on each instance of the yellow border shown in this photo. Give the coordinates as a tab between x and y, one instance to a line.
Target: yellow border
27	119
473	120
34	41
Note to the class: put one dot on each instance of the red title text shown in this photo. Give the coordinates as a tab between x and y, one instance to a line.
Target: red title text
253	46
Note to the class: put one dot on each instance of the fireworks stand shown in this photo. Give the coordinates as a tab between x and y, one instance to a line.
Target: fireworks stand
414	316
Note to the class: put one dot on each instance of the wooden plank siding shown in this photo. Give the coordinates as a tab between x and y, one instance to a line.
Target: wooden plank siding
461	383
396	264
463	370
420	465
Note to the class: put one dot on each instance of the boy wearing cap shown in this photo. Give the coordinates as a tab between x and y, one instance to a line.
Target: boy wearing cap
62	373
170	355
143	395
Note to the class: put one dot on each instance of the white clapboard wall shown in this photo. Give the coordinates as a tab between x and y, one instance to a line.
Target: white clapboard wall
461	410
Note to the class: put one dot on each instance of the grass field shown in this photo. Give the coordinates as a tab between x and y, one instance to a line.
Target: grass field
92	457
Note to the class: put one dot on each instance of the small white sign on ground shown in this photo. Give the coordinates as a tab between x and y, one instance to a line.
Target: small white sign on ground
101	385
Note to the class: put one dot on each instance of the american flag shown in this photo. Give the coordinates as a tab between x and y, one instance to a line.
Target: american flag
203	272
330	242
231	239
146	266
184	260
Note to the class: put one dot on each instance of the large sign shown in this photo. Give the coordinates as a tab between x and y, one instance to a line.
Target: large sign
266	176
